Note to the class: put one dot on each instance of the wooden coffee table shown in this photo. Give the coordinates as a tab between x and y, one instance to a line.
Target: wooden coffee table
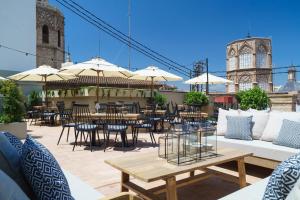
149	168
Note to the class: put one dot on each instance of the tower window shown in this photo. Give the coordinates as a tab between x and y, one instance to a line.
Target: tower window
58	38
261	57
45	36
232	60
245	58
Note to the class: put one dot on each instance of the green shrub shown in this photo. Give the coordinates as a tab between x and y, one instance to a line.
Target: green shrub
196	99
160	99
254	98
34	98
13	106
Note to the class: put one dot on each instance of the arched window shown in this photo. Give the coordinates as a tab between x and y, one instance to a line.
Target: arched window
262	81
245	58
45	36
231	60
261	57
58	38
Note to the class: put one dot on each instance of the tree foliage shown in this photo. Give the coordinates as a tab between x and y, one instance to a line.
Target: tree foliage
255	98
160	99
13	106
196	99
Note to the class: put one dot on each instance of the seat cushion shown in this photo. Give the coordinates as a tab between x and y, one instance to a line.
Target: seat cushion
81	190
43	172
10	165
115	127
86	127
289	134
16	142
252	192
12	190
143	126
283	179
259	148
239	127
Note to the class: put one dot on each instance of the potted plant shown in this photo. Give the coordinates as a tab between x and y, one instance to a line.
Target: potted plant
160	99
12	117
255	98
197	99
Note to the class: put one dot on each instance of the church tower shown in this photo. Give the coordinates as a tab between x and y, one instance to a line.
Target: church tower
50	41
249	64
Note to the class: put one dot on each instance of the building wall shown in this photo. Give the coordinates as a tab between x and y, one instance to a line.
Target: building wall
249	63
49	53
17	19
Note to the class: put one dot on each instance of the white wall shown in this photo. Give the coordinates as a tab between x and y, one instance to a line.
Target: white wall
17	30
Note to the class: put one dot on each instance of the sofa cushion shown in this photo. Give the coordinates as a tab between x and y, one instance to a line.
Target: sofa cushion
10	165
16	142
222	121
259	119
251	192
80	190
259	148
295	193
289	134
239	127
12	190
275	122
43	172
283	179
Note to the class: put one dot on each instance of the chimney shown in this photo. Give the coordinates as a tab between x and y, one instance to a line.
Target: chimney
292	74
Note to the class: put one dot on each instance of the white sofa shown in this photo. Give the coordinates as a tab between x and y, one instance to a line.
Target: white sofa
81	190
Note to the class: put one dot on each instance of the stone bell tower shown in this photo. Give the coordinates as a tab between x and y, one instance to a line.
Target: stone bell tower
50	41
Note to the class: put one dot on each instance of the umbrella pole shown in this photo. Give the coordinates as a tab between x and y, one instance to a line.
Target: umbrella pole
152	87
46	95
97	91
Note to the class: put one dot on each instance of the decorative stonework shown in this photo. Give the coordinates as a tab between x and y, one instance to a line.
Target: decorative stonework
249	63
51	53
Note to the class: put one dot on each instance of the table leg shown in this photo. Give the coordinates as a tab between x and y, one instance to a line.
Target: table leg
171	188
192	173
124	179
242	172
94	138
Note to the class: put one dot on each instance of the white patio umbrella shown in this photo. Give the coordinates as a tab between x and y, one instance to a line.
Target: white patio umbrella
207	78
152	74
43	74
97	67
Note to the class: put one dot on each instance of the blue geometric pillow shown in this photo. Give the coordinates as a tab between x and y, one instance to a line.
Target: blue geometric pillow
43	172
289	134
283	179
14	141
239	127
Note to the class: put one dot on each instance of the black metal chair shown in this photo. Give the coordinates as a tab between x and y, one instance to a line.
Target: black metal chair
146	123
66	120
84	123
115	124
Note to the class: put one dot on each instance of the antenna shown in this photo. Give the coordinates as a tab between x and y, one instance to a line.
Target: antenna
129	34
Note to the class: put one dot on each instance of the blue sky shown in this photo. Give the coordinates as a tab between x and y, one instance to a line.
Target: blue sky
186	31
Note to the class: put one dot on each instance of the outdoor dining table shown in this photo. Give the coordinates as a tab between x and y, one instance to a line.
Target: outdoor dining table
185	114
157	113
52	111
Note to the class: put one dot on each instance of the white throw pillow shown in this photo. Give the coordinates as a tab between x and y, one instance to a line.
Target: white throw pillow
295	193
259	119
254	110
275	122
222	121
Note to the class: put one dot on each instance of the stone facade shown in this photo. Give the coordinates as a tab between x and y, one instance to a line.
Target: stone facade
249	63
50	43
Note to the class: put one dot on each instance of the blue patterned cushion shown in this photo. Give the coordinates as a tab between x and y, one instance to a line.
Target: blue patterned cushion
289	134
239	127
283	179
43	172
14	141
86	127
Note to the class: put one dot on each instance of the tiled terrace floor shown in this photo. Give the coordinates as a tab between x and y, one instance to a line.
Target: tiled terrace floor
90	166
